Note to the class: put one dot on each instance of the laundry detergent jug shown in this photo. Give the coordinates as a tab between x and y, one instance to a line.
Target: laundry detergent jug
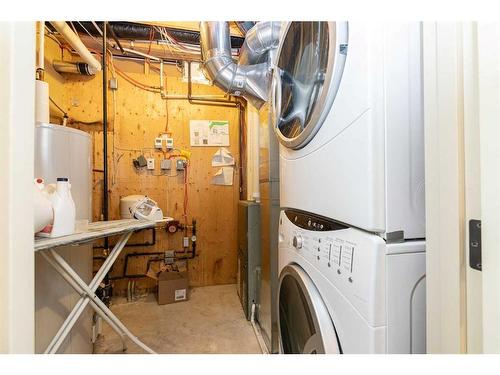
63	207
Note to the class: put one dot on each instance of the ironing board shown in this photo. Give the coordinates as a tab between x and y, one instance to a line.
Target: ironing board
47	248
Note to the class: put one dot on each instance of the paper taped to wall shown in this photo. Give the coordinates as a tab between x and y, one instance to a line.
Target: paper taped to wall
209	133
224	176
222	157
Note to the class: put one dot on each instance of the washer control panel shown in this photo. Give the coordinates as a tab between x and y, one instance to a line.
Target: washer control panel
352	260
315	236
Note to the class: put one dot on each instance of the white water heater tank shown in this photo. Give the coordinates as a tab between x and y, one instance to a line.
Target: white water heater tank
64	152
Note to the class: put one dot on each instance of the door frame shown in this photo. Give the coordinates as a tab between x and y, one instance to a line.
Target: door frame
488	43
17	122
462	154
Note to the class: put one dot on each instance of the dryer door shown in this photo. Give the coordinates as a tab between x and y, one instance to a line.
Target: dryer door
306	78
305	326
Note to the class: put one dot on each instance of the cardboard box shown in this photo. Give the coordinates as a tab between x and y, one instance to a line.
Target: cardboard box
173	286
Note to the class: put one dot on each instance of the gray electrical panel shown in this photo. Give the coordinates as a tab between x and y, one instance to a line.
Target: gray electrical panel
249	255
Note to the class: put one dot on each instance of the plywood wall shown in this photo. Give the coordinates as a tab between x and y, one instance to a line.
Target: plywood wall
136	117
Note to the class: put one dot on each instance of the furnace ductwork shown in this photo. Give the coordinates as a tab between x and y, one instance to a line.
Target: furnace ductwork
250	78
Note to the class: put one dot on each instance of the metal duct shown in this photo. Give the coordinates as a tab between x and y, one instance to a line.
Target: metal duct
244	26
249	81
259	40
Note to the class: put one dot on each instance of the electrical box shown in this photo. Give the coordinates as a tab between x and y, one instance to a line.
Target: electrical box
185	241
166	164
140	162
169	143
113	84
170	257
151	163
158	143
180	164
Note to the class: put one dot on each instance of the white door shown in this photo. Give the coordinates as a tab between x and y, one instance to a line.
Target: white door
305	326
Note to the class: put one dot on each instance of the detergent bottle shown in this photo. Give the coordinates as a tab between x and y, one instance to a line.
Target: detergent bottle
64	209
43	213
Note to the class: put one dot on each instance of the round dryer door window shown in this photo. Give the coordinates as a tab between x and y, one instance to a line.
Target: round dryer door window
305	326
306	78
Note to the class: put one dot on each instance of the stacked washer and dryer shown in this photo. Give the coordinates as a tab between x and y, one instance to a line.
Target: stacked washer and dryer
347	110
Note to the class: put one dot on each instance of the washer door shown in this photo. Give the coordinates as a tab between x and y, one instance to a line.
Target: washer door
306	79
305	326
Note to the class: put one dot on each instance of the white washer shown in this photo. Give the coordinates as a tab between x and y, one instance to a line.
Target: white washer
347	109
343	290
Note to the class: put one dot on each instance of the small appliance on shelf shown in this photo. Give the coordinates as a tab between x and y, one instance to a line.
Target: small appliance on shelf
140	207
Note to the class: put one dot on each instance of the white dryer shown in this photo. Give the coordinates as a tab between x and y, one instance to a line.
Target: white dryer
347	109
343	290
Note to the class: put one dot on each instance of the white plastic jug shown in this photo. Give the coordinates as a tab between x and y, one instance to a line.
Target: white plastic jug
63	207
44	214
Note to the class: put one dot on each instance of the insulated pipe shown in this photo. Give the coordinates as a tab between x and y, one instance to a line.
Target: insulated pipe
75	42
135	31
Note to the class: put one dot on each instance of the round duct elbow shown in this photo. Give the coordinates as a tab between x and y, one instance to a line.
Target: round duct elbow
248	81
259	40
73	68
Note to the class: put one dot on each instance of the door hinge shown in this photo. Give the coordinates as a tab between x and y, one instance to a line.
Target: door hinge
475	245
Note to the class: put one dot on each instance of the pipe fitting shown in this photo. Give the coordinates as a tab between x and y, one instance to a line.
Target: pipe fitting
75	42
73	68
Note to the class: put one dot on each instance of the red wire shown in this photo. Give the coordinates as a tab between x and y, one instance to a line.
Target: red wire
185	193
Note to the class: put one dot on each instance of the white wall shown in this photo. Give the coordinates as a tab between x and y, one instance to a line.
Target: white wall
17	93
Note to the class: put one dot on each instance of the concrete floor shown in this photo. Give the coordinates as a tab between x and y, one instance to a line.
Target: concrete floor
212	321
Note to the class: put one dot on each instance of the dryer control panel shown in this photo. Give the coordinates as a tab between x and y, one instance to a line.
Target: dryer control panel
351	259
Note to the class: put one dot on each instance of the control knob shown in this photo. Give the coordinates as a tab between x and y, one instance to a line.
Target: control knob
297	242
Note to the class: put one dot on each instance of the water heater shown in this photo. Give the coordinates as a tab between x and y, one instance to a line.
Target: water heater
64	152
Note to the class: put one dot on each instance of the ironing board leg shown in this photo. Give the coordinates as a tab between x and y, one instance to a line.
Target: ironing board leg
79	307
100	305
82	293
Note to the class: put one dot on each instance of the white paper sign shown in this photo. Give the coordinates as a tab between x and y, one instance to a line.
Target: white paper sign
222	157
209	133
224	176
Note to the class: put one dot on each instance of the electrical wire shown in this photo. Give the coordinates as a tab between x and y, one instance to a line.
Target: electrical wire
58	107
186	169
136	83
